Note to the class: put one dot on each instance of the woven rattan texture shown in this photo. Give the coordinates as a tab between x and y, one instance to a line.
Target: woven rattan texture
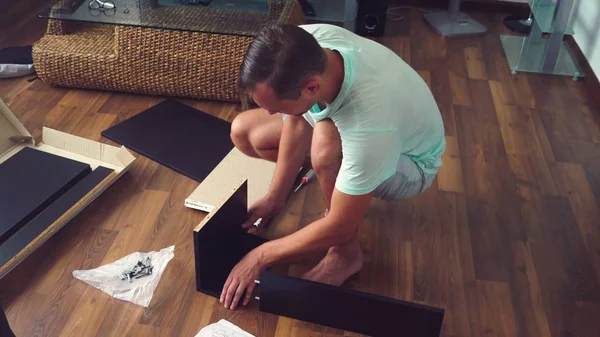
148	60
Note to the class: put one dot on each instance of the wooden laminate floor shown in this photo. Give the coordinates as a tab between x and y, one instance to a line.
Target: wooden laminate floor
507	239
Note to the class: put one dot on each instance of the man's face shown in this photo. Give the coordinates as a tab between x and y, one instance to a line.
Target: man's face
265	97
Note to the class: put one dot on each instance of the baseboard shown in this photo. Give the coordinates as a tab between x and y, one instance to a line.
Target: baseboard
590	79
490	6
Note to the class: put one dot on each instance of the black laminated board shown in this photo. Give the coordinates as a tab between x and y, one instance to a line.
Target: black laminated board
5	330
220	243
30	181
346	309
177	136
31	230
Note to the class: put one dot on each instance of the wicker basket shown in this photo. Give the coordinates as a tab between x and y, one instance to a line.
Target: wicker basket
148	60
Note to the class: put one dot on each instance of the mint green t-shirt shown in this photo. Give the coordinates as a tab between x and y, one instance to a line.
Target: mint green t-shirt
383	110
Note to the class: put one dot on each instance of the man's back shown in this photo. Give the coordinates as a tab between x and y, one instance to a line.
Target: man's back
383	110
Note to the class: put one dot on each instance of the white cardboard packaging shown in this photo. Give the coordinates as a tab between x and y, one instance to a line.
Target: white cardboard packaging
14	137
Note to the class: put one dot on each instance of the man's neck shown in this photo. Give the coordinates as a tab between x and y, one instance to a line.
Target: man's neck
334	76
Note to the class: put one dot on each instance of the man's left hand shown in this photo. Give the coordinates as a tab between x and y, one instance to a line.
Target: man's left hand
242	278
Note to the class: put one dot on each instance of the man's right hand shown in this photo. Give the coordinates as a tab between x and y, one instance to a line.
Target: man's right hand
264	209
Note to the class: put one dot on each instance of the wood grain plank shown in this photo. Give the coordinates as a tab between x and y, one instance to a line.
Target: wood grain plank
531	210
471	154
163	179
429	275
483	103
530	307
585	210
67	291
21	314
440	87
592	172
426	76
514	125
91	310
121	318
401	45
591	121
459	263
486	241
450	175
493	55
496	309
550	93
196	315
557	136
579	317
475	64
515	91
136	226
463	238
148	331
427	47
169	300
90	127
248	318
459	86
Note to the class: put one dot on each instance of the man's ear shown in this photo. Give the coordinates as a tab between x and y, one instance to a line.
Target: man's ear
312	85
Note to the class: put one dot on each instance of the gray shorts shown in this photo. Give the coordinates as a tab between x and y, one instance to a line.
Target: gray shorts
408	181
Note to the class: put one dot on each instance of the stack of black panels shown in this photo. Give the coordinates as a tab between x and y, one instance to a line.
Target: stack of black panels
36	189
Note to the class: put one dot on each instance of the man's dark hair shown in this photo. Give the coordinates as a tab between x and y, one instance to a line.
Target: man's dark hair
283	56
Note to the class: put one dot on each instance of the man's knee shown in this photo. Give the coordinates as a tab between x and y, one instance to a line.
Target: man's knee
326	148
240	135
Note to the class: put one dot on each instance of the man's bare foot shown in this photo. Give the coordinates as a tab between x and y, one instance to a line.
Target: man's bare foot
338	265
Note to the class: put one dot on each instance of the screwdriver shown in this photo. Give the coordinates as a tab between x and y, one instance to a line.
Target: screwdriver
305	179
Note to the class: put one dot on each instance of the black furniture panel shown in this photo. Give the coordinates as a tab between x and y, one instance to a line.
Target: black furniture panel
15	243
5	330
222	243
31	180
346	309
177	136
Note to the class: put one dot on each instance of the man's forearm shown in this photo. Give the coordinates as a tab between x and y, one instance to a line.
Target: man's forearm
293	147
317	236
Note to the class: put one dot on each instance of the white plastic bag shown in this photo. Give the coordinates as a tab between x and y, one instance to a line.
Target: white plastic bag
223	328
139	290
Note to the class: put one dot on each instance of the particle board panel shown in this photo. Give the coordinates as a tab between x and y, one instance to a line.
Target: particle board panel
177	136
234	167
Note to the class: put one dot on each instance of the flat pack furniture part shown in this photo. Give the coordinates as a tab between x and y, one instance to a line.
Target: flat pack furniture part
220	242
57	209
14	137
30	181
177	136
346	309
234	167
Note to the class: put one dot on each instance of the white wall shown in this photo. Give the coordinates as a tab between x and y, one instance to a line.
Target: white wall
586	21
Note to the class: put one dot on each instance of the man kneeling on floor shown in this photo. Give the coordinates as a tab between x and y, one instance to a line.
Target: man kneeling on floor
369	122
